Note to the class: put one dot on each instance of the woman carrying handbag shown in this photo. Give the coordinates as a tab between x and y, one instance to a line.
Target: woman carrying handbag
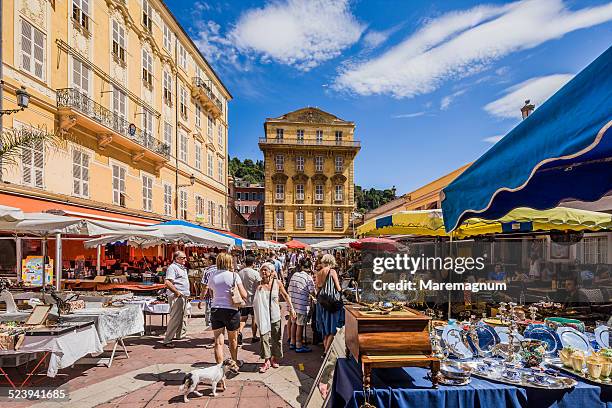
330	310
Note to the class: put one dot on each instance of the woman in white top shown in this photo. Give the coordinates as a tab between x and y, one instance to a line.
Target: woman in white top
268	316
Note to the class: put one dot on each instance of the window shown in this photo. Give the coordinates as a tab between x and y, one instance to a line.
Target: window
183	102
299	163
593	250
167	199
119	102
199	206
339	192
147	69
280	219
280	134
80	173
238	195
299	192
119	42
279	160
80	13
211	125
338	137
319	192
147	193
33	164
338	220
198	155
167	38
80	76
32	50
198	115
339	164
221	218
182	52
319	136
319	164
211	213
147	15
280	192
221	169
210	164
147	127
119	185
183	205
168	135
299	219
319	219
183	146
167	85
220	136
300	135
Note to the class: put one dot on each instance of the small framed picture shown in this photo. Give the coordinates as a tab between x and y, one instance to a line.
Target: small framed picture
39	315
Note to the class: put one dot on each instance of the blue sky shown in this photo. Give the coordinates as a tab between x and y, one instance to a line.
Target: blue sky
430	84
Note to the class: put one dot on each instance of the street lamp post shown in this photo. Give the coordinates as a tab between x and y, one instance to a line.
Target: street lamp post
192	180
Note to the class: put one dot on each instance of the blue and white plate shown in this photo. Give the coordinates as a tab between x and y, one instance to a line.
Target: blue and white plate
454	342
487	337
571	337
503	333
545	334
602	336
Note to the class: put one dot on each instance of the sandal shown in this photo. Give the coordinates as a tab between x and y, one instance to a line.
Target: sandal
291	346
303	349
264	367
274	363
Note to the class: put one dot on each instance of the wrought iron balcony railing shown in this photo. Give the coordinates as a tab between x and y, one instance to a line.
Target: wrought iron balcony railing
199	82
308	142
75	99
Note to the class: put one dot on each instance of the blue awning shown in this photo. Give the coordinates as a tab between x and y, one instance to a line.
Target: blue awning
238	241
562	151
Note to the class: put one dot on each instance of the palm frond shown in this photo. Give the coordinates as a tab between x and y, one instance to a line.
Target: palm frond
13	140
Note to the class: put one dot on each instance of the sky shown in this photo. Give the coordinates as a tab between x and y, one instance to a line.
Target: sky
430	85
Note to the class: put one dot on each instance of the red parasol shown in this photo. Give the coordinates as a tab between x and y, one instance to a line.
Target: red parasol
295	244
374	244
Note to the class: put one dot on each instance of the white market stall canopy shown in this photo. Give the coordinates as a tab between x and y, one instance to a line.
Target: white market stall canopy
10	214
333	244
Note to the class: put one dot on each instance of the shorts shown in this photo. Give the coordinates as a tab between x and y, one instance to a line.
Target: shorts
301	319
246	311
224	318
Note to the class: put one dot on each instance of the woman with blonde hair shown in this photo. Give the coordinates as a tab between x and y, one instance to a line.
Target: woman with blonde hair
267	312
330	310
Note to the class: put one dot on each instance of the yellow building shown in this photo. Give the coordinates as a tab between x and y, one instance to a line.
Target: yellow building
143	113
309	174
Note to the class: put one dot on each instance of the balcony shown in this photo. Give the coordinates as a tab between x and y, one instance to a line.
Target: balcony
202	92
76	107
272	141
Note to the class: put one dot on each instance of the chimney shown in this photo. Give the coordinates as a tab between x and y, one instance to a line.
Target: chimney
527	109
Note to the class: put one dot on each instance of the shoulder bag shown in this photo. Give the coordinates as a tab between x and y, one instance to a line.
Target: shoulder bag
329	297
237	300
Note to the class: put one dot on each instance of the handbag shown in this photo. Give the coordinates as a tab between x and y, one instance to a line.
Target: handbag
329	297
237	300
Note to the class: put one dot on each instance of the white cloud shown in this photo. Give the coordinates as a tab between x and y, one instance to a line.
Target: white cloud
493	139
373	39
448	99
537	90
458	44
298	33
408	115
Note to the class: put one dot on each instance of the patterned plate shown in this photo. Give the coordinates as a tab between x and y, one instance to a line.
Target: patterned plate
546	335
454	342
573	338
602	336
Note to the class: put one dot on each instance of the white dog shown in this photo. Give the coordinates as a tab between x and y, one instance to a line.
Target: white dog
214	374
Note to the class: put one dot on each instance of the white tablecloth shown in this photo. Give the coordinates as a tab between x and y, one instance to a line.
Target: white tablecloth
111	323
146	304
65	349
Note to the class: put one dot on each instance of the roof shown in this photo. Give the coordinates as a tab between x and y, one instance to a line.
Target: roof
310	114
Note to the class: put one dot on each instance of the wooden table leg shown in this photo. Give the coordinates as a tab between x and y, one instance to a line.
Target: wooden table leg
367	377
435	369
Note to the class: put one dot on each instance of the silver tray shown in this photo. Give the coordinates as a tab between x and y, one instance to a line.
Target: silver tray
561	383
584	375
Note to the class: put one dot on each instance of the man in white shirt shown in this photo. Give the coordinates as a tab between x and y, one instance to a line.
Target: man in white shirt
177	284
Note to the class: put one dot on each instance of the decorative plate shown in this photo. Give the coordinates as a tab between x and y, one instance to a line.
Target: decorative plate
602	336
571	337
487	337
546	335
454	342
503	332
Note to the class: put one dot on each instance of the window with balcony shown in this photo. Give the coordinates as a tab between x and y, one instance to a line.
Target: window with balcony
167	85
80	13
32	50
147	69
182	53
339	192
279	217
210	165
183	204
80	173
198	115
221	169
338	220
199	204
147	15
80	76
211	126
147	127
318	192
147	193
280	133
167	199
119	102
338	137
299	219
198	154
119	174
319	164
300	135
279	192
299	192
33	164
299	163
279	161
183	147
119	46
167	38
339	164
168	135
319	136
183	102
318	219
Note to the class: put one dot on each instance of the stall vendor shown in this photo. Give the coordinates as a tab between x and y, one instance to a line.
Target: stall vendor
177	283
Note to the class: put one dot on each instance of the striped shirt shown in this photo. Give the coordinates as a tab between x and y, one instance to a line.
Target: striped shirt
300	287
